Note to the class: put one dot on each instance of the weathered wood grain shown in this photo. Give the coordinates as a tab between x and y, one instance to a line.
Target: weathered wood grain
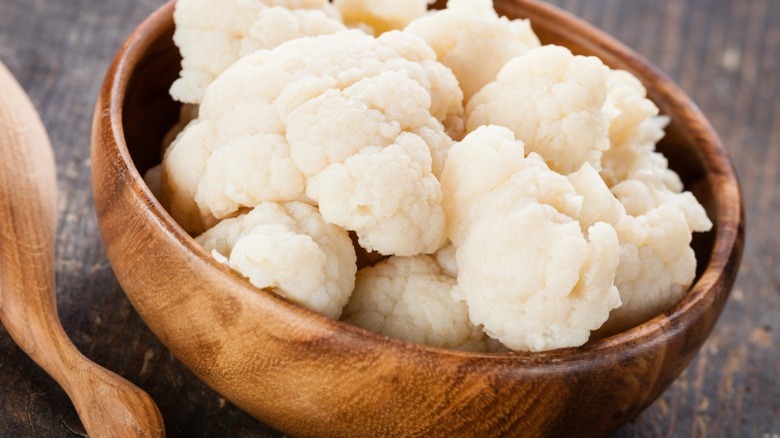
725	53
108	405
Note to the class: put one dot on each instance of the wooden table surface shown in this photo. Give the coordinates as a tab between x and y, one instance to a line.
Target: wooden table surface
725	53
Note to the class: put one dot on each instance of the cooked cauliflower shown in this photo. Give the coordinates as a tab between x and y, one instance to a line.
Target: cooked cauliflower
387	195
213	34
308	147
481	35
488	171
552	101
187	113
445	257
290	248
380	16
527	270
638	175
640	196
535	281
346	121
657	264
410	298
635	126
183	166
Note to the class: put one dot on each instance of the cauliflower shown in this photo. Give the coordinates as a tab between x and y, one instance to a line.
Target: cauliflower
553	102
489	171
182	168
530	274
381	16
187	113
639	176
409	298
481	35
153	177
212	34
445	257
657	264
535	281
635	126
349	122
305	148
288	247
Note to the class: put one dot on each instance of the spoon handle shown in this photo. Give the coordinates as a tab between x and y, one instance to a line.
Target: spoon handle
108	405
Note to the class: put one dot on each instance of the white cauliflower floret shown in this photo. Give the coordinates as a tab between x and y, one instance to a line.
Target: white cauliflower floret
267	174
657	264
381	16
183	166
187	113
530	274
481	35
213	34
639	176
552	101
388	196
634	128
640	196
290	248
535	281
488	170
410	298
445	257
346	121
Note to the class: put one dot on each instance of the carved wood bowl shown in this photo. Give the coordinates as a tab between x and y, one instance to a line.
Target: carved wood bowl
307	375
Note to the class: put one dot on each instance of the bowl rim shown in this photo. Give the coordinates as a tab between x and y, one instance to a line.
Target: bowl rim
714	282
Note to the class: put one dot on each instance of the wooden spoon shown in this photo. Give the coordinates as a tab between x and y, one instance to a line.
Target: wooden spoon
108	405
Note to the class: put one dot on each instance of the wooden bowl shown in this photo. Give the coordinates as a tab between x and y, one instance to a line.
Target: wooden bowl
306	375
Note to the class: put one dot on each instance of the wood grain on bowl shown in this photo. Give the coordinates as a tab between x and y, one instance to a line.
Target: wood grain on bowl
310	376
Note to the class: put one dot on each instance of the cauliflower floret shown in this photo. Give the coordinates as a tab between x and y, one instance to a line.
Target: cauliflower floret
388	196
183	166
639	176
187	113
634	128
534	281
380	16
410	298
346	121
481	35
640	196
530	274
657	264
290	248
212	35
488	170
553	102
267	174
445	257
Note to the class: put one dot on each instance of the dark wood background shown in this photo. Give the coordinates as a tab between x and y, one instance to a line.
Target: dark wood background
725	53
